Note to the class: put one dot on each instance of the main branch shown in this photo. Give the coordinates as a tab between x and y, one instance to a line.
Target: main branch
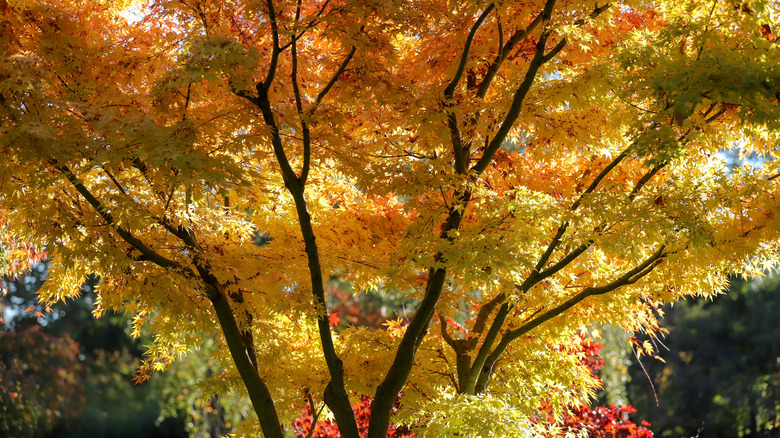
396	377
387	391
503	54
335	392
262	402
539	273
147	253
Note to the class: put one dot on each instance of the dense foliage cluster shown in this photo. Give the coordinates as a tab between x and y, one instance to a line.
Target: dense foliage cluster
518	170
599	422
606	422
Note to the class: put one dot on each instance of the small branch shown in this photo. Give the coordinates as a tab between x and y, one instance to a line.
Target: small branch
315	414
275	48
562	263
628	278
181	233
452	121
709	109
359	262
503	53
320	96
457	143
716	115
555	50
500	37
652	387
519	97
114	180
290	178
558	47
311	24
645	179
335	77
133	241
485	311
186	102
447	338
644	110
299	106
139	165
593	185
449	90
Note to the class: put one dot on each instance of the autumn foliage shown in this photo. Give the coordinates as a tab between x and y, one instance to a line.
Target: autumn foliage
16	256
599	422
302	426
602	421
514	171
38	376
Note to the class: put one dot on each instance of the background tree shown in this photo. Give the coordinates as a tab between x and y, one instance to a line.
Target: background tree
72	374
38	381
526	167
722	373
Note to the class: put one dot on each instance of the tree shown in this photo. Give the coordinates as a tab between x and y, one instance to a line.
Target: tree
602	422
519	170
38	374
72	374
721	374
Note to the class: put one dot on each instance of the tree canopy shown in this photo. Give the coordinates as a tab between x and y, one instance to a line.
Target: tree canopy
517	170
